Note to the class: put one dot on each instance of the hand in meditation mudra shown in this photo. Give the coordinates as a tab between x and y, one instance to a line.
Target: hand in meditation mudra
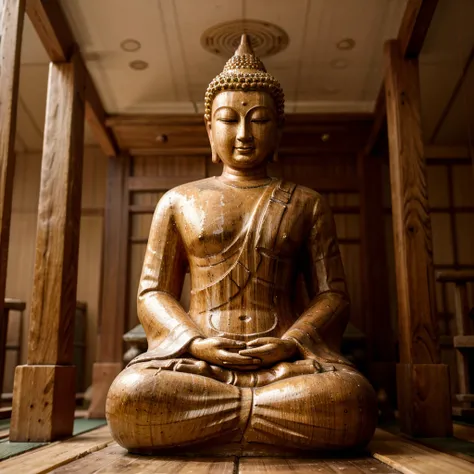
242	366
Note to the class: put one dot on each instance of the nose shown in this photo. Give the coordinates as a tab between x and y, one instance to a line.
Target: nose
244	132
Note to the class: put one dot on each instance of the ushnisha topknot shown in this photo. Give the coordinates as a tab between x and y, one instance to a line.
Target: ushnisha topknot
244	71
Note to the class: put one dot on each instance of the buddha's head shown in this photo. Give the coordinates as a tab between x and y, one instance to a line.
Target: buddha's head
244	111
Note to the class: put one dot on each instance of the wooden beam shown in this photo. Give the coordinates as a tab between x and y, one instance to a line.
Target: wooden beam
96	118
44	389
423	383
171	135
454	96
54	32
433	152
112	321
411	36
10	50
414	27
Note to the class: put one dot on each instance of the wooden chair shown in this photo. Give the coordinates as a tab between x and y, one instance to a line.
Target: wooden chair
463	341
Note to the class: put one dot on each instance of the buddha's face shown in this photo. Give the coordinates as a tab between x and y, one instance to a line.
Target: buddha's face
243	130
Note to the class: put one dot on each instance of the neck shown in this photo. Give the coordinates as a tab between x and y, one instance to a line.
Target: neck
246	177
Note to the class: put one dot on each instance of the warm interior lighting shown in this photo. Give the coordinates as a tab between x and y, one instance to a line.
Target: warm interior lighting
130	45
346	44
138	65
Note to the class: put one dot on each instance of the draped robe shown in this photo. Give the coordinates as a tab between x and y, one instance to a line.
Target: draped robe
244	291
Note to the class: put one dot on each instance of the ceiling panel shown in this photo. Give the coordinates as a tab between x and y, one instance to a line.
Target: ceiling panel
100	27
315	74
329	73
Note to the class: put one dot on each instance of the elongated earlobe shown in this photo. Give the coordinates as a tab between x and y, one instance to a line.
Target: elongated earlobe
274	157
215	157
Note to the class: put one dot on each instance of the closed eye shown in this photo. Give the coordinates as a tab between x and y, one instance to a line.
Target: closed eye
227	120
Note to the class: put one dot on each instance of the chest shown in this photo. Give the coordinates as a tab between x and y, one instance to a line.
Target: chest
219	220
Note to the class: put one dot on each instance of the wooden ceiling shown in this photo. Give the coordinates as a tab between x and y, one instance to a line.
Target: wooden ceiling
310	68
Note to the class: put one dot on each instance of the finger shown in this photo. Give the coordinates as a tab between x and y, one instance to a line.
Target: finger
261	341
190	369
236	359
256	351
229	343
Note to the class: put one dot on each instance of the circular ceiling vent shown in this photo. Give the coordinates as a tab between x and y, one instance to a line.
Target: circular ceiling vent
266	39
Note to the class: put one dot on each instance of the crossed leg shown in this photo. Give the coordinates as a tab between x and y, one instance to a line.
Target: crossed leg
149	408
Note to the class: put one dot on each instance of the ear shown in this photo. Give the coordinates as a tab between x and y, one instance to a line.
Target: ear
274	158
209	132
214	157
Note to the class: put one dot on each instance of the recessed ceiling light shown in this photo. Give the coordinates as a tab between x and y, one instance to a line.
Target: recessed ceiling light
138	65
346	44
325	137
130	45
338	63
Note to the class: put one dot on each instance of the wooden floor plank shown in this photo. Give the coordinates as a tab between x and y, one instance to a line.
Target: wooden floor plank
115	459
49	457
93	462
157	465
308	466
373	466
411	458
283	466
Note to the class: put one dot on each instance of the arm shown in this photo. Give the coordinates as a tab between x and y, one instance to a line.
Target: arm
168	327
318	331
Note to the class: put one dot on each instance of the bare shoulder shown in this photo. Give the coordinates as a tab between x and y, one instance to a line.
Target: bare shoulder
185	191
307	195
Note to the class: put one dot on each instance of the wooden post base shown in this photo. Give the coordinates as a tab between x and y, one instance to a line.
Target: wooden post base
103	374
424	400
43	403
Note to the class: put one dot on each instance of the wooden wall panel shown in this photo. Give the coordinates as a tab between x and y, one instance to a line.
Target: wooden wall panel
465	238
437	177
463	185
22	242
442	238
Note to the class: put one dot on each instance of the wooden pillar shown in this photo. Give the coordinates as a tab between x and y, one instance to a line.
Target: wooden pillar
374	273
10	49
44	389
423	383
113	312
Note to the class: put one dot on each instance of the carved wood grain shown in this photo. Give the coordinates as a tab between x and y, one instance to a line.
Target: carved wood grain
10	50
423	383
411	220
59	209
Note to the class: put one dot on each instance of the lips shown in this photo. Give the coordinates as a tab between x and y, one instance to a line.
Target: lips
245	149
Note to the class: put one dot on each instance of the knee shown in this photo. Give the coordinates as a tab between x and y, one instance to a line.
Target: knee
134	398
332	410
353	402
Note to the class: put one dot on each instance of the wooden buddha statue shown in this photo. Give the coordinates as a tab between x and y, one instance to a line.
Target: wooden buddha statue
242	366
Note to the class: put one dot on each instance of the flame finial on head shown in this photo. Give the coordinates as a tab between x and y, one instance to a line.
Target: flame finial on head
244	71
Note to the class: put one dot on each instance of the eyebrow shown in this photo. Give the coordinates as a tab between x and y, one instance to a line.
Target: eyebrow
229	107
